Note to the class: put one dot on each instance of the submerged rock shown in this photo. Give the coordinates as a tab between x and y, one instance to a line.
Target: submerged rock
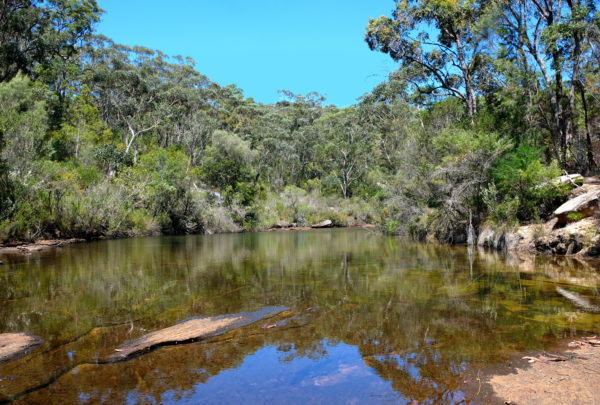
191	330
15	345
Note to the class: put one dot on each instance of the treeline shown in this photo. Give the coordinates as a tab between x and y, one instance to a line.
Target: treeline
491	100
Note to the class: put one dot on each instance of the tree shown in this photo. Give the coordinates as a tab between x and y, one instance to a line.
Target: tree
286	138
36	32
7	195
385	110
440	45
227	162
140	91
346	148
163	179
534	32
23	122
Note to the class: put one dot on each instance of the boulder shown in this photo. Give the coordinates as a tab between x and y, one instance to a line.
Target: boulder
578	208
282	224
14	345
487	237
323	224
507	239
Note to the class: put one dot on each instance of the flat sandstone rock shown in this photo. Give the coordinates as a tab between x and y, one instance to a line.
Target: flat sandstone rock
584	205
575	381
191	330
323	224
14	345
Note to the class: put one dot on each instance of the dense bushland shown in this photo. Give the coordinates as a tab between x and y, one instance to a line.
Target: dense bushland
491	100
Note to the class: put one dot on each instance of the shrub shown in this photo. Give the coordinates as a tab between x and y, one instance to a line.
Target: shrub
227	162
524	185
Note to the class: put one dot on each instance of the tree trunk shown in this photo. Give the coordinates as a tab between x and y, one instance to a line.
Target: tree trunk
471	97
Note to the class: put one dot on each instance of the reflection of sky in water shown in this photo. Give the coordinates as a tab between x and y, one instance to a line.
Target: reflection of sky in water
264	378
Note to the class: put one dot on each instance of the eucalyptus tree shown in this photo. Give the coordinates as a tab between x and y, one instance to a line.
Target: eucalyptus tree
7	194
36	32
23	123
440	44
386	111
140	91
286	138
550	41
228	163
345	151
192	113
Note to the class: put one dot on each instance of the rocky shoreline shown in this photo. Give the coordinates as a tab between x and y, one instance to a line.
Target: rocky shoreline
30	247
17	247
574	228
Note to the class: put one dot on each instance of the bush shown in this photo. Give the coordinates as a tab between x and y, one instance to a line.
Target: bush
227	162
524	188
163	178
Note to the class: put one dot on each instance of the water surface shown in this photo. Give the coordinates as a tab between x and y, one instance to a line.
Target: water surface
372	319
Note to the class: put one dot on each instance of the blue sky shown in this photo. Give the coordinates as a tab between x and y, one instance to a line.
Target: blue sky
261	45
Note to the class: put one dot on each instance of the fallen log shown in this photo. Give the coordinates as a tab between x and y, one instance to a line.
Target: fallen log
192	330
15	345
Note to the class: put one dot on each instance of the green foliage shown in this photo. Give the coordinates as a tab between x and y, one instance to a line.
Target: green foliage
524	185
110	158
162	181
23	121
7	196
430	56
59	26
346	150
227	164
453	145
101	139
575	216
500	211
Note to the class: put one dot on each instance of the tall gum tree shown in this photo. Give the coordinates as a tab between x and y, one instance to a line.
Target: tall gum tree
439	42
35	32
140	91
550	40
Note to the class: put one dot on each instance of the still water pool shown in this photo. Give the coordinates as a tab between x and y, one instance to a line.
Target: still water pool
371	319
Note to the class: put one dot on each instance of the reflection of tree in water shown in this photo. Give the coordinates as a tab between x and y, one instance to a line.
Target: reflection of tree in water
424	309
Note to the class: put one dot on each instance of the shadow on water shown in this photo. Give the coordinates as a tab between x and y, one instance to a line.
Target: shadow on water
374	319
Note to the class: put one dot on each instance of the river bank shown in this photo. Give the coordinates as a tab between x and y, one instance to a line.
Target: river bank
23	247
574	228
568	375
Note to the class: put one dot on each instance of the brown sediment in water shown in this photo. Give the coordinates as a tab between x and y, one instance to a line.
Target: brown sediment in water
571	377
